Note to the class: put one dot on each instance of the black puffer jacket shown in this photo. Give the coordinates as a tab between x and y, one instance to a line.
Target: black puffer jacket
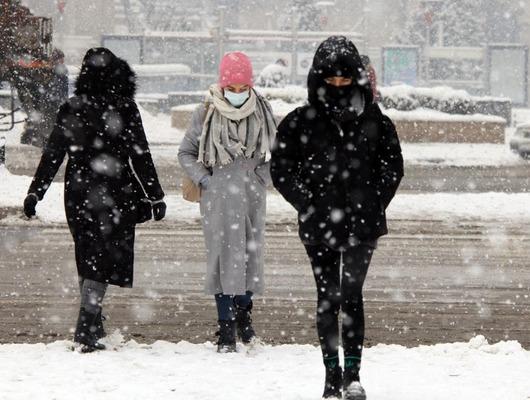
338	169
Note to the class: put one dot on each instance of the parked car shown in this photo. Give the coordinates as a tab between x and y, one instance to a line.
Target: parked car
520	141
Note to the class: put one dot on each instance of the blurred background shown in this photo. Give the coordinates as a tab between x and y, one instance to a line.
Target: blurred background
465	44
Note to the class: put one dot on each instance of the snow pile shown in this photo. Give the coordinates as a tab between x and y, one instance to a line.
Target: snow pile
521	116
493	206
163	370
289	94
460	155
273	76
432	206
52	205
490	206
405	98
281	108
425	114
158	129
441	98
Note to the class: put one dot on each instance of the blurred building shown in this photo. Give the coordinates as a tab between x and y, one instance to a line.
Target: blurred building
376	23
78	24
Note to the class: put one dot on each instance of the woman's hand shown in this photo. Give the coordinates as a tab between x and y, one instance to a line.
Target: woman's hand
159	210
30	202
205	182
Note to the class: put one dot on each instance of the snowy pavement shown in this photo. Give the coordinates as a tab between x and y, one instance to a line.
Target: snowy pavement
429	282
430	206
460	155
460	371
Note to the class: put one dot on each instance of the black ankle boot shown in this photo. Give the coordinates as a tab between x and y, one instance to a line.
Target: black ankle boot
227	337
84	332
245	331
352	386
333	384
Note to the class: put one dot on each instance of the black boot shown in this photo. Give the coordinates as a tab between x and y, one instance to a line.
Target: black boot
99	332
352	386
333	384
227	337
245	331
84	332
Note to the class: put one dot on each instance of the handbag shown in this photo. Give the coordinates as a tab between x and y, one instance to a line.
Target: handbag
190	191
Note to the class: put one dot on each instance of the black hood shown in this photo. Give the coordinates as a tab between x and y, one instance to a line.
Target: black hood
103	74
336	56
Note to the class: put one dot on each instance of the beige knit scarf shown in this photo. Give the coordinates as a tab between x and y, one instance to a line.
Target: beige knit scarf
229	132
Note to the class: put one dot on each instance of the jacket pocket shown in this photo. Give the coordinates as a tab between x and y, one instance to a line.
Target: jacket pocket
367	213
263	175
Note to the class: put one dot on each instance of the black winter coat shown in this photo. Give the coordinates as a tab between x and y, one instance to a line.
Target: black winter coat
340	175
101	132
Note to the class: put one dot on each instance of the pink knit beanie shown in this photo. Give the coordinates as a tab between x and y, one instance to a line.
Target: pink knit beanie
235	68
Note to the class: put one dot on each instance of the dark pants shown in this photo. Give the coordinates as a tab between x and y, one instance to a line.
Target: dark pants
92	294
335	294
226	304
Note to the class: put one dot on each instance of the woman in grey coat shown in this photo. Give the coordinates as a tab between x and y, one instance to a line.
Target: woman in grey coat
224	152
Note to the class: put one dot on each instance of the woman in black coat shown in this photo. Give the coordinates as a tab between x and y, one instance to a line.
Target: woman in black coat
338	161
110	181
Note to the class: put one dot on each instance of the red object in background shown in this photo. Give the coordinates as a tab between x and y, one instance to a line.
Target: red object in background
61	4
370	71
428	17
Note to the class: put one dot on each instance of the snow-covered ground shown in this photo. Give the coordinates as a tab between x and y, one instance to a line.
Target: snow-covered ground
430	206
520	116
162	370
460	154
163	139
159	130
424	114
460	371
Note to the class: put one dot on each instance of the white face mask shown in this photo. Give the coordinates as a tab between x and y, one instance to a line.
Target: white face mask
236	99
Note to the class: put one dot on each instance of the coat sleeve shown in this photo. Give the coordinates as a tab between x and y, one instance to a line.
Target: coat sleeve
286	164
264	167
189	148
52	157
140	157
390	162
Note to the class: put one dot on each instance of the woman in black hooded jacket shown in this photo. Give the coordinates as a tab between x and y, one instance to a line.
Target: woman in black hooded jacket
110	179
338	161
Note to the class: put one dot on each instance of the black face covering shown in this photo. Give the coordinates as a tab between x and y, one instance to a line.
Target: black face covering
342	103
338	56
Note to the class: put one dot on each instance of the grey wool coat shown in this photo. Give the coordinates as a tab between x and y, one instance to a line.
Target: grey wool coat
233	215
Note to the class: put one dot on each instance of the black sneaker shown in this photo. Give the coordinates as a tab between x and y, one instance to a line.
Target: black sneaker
227	337
245	331
333	384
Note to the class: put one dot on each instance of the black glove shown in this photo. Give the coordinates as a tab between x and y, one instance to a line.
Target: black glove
159	210
30	202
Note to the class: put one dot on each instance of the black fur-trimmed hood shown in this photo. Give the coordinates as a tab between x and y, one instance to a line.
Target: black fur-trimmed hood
103	74
336	56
